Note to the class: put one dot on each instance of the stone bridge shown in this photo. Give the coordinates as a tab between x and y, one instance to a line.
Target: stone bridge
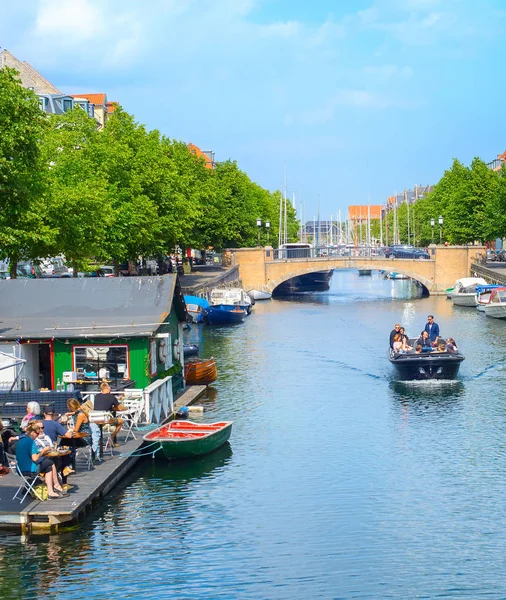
260	270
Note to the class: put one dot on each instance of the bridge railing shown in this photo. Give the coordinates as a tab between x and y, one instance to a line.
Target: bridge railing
330	252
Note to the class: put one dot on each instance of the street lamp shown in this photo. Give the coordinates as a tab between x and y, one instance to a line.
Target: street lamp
267	226
440	221
432	223
259	224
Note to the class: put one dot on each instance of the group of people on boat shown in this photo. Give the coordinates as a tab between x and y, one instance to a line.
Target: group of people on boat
429	340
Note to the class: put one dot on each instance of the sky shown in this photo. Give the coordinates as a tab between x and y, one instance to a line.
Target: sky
359	98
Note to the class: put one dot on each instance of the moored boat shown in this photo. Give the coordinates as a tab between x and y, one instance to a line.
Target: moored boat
259	295
225	314
185	439
364	272
395	275
190	350
426	365
309	282
483	294
197	308
464	292
236	297
200	372
496	307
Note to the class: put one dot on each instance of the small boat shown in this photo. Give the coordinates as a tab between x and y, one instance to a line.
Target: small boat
364	272
185	439
197	308
449	292
259	295
483	294
190	350
225	314
464	293
395	275
427	365
318	281
200	372
236	297
496	307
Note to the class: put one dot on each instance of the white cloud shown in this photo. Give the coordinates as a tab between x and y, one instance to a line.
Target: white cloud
78	19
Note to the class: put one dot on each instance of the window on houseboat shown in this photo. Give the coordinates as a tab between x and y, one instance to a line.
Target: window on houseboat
110	362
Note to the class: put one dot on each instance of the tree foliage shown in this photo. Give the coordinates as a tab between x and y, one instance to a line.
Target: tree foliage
117	193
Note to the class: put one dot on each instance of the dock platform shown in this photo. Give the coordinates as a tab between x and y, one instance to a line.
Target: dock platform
88	486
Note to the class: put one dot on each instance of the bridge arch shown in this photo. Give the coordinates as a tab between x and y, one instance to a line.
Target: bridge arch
272	284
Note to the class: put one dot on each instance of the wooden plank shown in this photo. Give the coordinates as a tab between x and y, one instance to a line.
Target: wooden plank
189	396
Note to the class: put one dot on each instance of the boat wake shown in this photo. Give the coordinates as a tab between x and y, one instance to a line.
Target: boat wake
496	367
431	383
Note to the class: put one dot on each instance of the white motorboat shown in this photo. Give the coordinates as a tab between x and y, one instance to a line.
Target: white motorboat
464	292
231	296
259	295
483	294
496	306
395	275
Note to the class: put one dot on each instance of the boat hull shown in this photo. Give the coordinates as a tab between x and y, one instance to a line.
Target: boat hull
413	367
309	282
200	372
223	314
464	299
364	272
190	440
495	310
259	295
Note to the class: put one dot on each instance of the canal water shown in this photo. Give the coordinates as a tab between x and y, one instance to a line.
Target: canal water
339	482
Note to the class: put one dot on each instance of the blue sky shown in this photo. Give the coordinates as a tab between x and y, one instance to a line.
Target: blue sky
361	98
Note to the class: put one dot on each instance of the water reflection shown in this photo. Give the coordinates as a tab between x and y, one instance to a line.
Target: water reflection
426	397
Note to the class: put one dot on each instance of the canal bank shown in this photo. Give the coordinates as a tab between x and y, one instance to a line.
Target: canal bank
339	481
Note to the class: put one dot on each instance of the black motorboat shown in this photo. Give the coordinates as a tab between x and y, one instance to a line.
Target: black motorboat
309	282
190	350
426	365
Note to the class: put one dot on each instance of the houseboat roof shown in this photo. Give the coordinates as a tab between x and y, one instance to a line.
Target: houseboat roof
88	307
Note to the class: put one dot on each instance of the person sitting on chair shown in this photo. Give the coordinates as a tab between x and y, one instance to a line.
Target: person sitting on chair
32	461
398	346
404	340
451	345
32	412
424	340
108	402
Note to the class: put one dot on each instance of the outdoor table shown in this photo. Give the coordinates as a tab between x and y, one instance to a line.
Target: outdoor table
65	441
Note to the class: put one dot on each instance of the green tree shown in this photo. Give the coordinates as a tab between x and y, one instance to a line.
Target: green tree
24	232
80	211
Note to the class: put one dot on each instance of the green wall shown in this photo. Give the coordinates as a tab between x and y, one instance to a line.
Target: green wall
138	350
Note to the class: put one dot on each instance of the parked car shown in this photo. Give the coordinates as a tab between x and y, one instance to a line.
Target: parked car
405	251
29	269
107	270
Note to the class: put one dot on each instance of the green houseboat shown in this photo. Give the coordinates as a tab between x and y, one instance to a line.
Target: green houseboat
75	332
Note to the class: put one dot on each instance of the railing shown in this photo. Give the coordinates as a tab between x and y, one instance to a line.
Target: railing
495	164
491	275
158	399
329	252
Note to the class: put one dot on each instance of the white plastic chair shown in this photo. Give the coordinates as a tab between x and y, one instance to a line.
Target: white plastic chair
131	415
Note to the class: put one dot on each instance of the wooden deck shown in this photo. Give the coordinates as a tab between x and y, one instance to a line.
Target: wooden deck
89	487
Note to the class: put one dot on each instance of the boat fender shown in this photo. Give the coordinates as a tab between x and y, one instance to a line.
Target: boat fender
182	413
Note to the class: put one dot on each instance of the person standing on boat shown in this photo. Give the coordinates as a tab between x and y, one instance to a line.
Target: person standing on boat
432	328
393	333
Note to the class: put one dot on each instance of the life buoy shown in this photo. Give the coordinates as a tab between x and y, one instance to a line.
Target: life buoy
177	350
162	350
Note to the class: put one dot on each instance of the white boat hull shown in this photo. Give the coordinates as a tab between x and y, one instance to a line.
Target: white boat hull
464	299
496	310
259	295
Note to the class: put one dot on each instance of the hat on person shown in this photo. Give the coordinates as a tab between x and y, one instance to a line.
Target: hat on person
48	410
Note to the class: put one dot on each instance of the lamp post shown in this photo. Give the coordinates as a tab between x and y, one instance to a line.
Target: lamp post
267	226
440	221
432	223
259	224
